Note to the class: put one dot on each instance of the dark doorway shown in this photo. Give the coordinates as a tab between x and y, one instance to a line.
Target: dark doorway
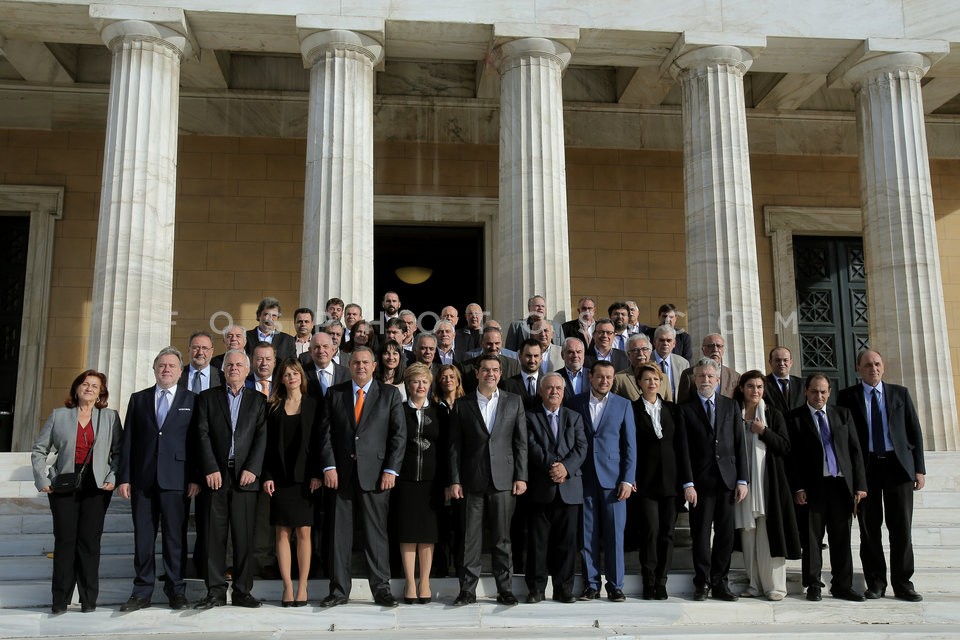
14	243
831	306
454	254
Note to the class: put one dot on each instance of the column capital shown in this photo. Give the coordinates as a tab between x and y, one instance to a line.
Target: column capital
694	50
319	34
875	56
703	57
166	25
511	52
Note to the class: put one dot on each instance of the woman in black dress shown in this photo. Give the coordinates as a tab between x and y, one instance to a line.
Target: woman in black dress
662	458
444	394
418	492
290	473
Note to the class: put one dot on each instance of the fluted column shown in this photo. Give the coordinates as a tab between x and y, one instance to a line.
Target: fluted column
337	258
133	276
904	283
532	237
723	289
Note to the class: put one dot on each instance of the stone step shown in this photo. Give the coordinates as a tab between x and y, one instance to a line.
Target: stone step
112	543
41	523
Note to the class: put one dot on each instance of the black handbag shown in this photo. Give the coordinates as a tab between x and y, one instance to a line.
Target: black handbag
72	482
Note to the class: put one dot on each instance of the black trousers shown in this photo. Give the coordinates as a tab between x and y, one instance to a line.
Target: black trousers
657	518
373	507
891	496
830	512
154	509
499	506
77	529
711	565
228	510
552	548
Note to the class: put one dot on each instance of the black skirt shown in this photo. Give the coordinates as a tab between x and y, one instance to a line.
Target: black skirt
415	504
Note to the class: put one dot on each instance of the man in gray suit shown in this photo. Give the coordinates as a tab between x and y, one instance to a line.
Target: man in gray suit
488	468
557	447
672	365
361	455
713	347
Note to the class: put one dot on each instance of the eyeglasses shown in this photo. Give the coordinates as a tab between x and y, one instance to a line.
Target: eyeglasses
640	350
714	345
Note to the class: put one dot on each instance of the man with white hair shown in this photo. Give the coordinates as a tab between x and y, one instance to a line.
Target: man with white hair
672	365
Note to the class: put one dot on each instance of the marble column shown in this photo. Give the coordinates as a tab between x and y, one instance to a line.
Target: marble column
337	258
533	250
723	287
904	283
131	306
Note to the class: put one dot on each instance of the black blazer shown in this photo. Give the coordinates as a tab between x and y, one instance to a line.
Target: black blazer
661	462
313	422
773	394
216	376
213	434
618	359
283	343
717	459
478	457
902	423
569	448
571	329
806	460
152	454
516	384
464	341
340	375
374	445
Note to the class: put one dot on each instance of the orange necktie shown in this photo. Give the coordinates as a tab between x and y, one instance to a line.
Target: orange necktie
358	407
265	387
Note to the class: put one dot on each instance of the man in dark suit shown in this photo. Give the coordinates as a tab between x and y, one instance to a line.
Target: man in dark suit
234	337
713	347
491	343
608	475
322	373
603	348
446	344
526	383
826	474
667	315
781	390
153	475
525	328
574	375
268	315
361	456
488	469
230	436
719	477
582	326
468	337
198	375
557	447
892	444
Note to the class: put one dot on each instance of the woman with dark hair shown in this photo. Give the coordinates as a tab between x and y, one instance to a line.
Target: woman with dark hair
391	364
362	335
662	459
766	519
84	439
290	472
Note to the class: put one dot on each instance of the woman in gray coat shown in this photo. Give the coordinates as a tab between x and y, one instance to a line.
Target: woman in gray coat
84	430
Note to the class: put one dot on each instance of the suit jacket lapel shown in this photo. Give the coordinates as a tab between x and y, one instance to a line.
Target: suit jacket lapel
368	401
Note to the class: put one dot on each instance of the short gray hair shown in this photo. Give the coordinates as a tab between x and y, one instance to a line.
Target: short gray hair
553	374
421	337
241	352
662	329
639	337
168	351
705	362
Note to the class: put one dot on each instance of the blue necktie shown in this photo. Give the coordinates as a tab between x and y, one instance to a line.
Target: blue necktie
163	406
827	439
876	424
197	386
323	382
553	425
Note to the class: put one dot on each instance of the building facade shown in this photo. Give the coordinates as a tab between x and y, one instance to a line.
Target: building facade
785	174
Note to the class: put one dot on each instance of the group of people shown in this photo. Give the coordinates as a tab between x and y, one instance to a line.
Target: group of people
599	429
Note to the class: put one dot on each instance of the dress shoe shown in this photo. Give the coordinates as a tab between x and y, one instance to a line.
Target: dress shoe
299	603
660	592
700	594
244	600
134	604
648	592
464	598
615	595
333	600
873	594
813	594
506	598
723	593
910	596
847	594
385	599
590	594
534	597
424	599
58	608
564	596
286	603
210	601
178	602
88	607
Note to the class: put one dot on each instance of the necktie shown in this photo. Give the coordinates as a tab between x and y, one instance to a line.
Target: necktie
163	406
531	387
785	387
827	440
710	412
665	366
265	388
876	424
323	381
196	388
553	425
620	342
358	407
